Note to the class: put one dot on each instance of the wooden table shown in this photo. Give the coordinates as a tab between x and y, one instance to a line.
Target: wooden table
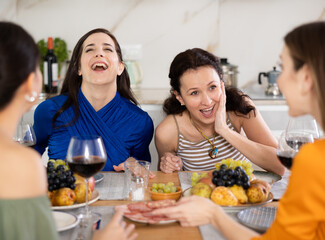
166	231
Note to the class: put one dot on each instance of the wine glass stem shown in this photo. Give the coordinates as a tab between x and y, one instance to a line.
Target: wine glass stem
87	207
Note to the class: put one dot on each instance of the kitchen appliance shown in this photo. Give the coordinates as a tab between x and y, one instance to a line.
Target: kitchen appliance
272	88
229	72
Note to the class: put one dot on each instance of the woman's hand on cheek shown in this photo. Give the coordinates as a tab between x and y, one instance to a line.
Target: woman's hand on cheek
220	123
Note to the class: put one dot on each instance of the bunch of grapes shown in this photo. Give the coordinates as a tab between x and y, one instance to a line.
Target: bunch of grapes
196	177
59	175
230	163
228	177
164	188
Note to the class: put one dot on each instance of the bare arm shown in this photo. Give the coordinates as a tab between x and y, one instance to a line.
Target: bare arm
196	211
166	140
259	145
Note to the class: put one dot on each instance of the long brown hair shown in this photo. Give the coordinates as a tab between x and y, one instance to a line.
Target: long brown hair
193	59
306	45
72	80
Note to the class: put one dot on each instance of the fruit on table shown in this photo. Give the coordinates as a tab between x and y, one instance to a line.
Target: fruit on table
207	180
80	192
59	175
258	191
239	193
202	190
223	196
231	163
164	188
63	197
196	177
91	182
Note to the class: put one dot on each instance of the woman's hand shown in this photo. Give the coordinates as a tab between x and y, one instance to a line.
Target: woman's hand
170	163
116	229
191	211
220	122
121	167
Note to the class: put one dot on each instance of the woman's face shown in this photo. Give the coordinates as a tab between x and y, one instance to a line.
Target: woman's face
200	92
99	63
290	86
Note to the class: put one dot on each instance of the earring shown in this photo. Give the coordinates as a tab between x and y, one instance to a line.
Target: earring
32	98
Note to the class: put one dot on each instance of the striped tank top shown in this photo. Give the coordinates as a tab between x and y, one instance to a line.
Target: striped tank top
195	155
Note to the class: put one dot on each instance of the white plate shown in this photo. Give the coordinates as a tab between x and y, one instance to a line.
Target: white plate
99	177
237	208
64	221
94	198
267	176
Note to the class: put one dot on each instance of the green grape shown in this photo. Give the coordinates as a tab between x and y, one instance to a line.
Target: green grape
167	189
161	186
154	190
173	189
160	190
155	186
170	184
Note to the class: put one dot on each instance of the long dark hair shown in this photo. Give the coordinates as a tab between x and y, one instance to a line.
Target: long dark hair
306	45
72	80
193	59
19	57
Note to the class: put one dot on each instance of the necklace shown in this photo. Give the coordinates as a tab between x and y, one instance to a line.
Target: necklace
214	150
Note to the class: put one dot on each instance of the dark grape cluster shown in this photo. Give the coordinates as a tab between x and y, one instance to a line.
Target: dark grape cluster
59	177
228	177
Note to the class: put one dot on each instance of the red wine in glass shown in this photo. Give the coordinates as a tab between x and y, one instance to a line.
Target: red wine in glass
286	158
86	167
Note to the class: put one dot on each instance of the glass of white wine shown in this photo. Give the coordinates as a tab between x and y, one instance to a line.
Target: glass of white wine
25	134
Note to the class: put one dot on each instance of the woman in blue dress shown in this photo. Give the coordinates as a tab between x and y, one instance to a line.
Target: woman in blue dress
95	99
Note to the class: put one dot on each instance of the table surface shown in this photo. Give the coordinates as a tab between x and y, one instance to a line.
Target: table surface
166	231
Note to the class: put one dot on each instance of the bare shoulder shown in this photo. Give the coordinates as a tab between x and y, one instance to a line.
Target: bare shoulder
23	172
168	125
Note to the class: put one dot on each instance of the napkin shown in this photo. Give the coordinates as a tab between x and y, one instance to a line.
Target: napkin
113	186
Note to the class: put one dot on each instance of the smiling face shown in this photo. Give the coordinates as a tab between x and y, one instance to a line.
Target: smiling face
99	63
200	92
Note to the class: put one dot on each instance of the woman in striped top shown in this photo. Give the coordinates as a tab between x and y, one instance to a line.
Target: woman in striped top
207	122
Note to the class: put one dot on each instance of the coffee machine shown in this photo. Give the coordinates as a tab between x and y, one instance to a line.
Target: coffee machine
272	88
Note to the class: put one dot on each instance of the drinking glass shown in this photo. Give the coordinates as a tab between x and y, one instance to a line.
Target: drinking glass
301	130
284	152
86	156
25	134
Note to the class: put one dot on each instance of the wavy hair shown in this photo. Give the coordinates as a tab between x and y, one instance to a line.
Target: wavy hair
193	59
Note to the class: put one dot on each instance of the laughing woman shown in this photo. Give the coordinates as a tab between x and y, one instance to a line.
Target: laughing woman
207	122
95	100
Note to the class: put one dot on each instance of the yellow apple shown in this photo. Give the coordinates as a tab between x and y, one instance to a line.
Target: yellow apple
63	197
80	192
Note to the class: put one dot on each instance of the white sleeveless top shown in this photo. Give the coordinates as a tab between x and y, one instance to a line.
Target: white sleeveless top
195	155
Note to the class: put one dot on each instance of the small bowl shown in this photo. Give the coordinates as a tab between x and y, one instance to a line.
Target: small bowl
162	196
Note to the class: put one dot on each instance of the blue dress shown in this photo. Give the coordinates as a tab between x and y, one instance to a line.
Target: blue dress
125	128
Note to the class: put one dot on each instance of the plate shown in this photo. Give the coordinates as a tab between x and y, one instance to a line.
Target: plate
94	198
237	208
64	221
258	218
139	218
99	177
267	176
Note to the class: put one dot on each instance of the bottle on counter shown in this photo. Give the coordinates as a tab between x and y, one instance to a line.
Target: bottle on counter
50	69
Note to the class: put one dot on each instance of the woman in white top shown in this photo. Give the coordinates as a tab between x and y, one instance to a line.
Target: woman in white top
222	122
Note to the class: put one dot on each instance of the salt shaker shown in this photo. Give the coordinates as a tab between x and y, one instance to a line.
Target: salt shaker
137	189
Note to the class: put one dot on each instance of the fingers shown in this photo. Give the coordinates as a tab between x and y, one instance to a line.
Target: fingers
151	175
117	218
119	168
170	163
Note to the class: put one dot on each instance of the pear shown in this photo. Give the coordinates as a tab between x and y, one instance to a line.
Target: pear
202	190
63	197
239	193
80	192
223	196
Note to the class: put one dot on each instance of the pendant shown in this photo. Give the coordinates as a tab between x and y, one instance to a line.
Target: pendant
213	152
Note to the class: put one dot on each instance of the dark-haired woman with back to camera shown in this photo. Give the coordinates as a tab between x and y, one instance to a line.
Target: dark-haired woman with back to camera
95	99
25	212
208	122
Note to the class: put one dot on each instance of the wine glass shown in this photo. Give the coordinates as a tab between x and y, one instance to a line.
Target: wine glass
301	130
86	156
25	134
284	152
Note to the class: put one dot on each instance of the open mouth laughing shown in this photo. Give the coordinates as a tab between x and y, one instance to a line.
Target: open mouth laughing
208	112
99	66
